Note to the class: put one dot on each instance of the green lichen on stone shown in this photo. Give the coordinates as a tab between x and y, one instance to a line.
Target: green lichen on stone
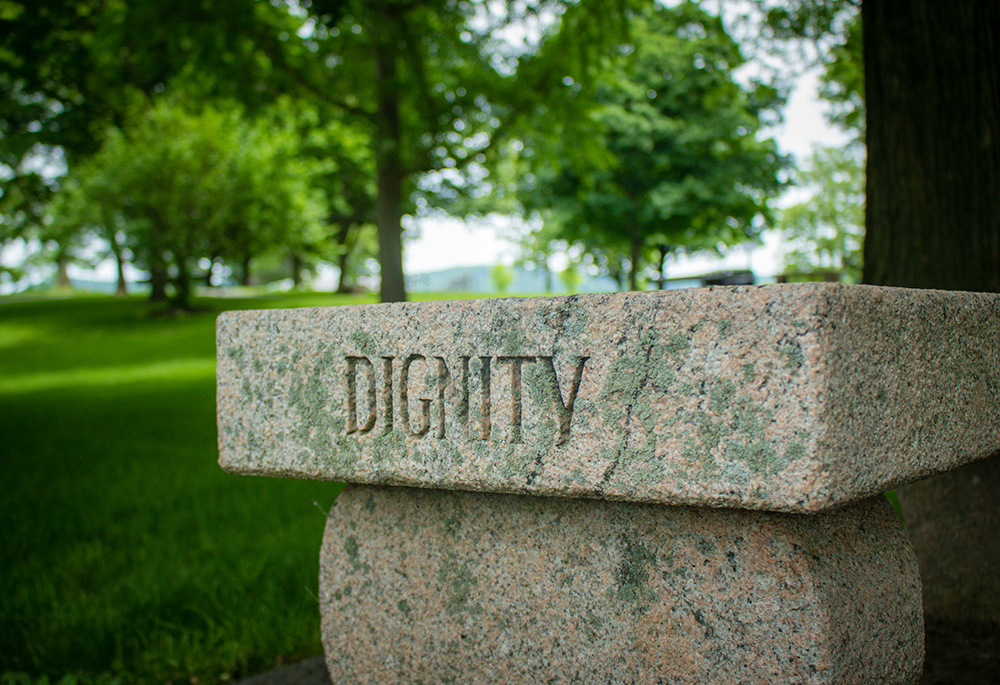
724	326
404	607
677	345
353	557
236	355
791	353
749	372
542	386
452	525
458	582
709	430
365	343
568	319
389	446
748	418
661	375
794	452
759	456
705	546
721	395
351	550
593	624
507	329
626	376
632	572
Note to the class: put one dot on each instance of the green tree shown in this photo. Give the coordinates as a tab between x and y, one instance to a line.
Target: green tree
826	230
183	185
502	276
432	86
69	69
570	277
437	89
688	169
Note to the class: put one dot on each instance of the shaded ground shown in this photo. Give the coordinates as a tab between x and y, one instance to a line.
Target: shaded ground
962	654
308	672
956	655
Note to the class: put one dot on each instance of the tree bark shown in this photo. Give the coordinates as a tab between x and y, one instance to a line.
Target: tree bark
933	100
62	270
343	259
634	254
296	267
183	288
121	287
389	169
246	273
157	278
933	221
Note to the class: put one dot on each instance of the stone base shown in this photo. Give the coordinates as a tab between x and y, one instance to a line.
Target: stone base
435	586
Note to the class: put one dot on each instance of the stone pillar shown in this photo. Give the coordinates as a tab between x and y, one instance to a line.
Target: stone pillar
438	586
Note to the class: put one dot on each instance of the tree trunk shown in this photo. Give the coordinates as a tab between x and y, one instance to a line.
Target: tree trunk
665	251
389	169
62	270
182	285
933	221
635	250
157	278
296	265
933	204
245	270
121	288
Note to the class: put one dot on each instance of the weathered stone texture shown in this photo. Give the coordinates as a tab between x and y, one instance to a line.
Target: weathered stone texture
792	398
435	586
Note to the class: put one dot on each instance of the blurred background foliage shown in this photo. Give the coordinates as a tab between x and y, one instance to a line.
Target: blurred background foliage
196	140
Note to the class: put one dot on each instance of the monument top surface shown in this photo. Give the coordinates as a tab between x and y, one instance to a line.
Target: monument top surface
786	397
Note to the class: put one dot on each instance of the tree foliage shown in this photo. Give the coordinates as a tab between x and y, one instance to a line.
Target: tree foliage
687	169
817	33
431	87
439	85
826	230
174	186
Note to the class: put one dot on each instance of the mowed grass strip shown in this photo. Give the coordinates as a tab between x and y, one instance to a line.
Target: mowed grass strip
126	554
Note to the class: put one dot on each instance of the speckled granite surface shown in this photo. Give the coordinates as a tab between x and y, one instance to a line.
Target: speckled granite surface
792	397
435	586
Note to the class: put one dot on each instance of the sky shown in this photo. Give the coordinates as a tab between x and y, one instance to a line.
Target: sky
447	243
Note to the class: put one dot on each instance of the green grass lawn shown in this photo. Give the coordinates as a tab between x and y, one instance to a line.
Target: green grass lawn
126	554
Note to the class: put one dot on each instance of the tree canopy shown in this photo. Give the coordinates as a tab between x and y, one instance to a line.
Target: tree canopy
432	87
687	168
174	186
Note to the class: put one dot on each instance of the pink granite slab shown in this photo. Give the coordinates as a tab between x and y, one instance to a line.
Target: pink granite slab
786	397
436	587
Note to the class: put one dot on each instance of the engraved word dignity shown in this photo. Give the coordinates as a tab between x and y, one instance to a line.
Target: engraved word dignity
377	396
